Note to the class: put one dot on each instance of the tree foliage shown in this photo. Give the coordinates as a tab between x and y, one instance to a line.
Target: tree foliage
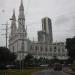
6	56
28	60
70	45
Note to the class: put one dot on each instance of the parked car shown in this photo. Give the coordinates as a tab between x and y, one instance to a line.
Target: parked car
57	67
10	66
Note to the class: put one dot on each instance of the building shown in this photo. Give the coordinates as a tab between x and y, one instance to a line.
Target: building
18	38
44	47
49	50
47	28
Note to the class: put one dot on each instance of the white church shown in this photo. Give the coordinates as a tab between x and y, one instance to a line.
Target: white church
44	47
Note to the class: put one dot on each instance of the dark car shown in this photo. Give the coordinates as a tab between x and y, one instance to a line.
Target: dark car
57	67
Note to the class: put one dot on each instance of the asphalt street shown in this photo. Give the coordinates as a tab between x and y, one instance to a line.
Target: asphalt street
51	72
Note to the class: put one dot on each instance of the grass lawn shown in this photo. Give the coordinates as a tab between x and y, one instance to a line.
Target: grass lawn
28	71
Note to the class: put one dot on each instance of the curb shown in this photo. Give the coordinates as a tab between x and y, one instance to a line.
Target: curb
69	72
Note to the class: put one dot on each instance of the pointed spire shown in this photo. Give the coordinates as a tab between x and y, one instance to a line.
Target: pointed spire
13	11
21	11
21	6
13	24
22	2
13	17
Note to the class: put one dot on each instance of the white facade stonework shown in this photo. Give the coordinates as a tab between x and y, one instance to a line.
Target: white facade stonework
44	47
49	50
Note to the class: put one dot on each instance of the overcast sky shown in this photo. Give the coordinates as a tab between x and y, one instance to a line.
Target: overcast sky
61	12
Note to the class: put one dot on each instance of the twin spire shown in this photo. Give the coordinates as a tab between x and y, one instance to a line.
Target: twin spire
21	8
21	20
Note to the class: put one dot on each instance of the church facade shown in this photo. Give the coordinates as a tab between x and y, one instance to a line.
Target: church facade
44	47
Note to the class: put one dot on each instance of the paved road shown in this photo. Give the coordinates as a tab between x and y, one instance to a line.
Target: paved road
50	72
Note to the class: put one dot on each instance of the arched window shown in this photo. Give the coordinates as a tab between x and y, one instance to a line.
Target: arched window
41	48
36	48
55	47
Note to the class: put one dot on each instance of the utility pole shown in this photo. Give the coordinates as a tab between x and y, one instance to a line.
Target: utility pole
22	47
6	34
22	53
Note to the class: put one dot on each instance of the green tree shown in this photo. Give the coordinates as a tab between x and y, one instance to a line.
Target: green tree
6	56
70	45
29	59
